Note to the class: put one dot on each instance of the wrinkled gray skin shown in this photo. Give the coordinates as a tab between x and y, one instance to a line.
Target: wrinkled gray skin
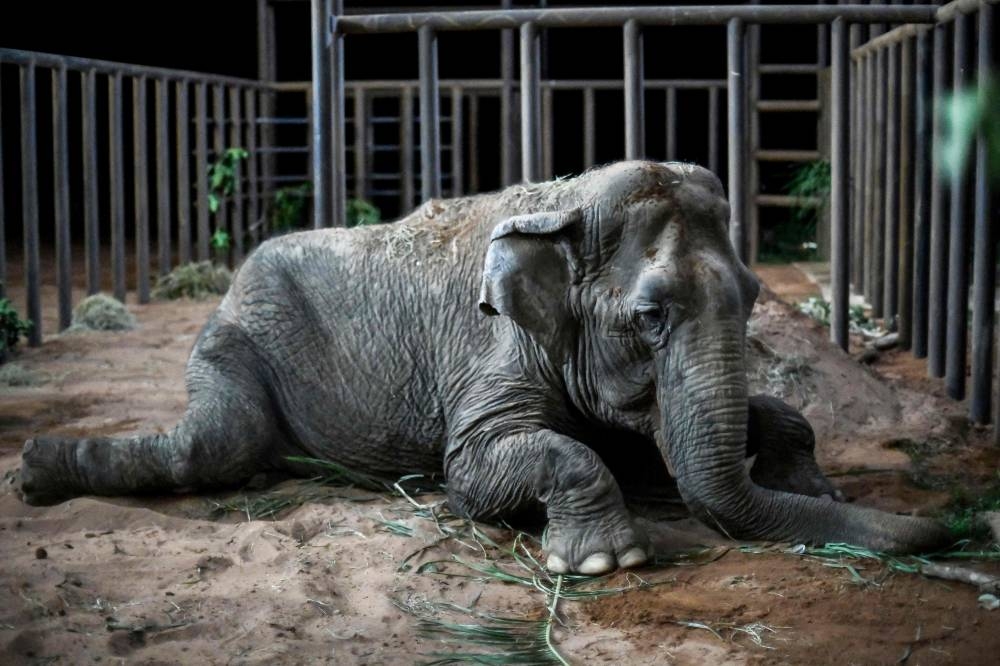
489	338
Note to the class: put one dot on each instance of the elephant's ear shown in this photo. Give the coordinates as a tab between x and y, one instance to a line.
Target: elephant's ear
529	267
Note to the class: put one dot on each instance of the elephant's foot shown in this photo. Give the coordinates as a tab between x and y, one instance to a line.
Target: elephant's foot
45	471
596	546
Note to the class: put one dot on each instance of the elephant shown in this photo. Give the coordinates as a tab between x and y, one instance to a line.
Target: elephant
490	339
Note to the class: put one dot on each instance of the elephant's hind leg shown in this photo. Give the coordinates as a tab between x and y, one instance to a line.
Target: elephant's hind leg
784	444
227	435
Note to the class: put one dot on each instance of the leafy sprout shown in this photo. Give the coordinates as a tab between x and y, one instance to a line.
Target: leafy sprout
12	327
964	115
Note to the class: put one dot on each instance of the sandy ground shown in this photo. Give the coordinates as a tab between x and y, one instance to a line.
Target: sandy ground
344	577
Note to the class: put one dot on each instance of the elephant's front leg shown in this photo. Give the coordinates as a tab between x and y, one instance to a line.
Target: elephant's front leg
589	529
784	444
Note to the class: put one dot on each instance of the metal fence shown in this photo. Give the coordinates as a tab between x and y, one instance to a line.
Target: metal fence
915	227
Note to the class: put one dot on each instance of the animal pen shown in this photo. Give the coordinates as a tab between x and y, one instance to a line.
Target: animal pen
901	234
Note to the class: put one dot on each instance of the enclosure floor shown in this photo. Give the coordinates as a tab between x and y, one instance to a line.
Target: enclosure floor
166	580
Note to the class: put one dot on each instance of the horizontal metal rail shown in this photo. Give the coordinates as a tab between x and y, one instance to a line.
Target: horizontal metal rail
609	17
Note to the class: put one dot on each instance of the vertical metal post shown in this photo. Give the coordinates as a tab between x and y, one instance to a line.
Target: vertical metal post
430	115
201	168
751	71
338	131
671	129
60	187
839	185
905	252
890	284
91	226
219	143
857	134
182	124
360	143
530	104
508	108
253	196
29	203
116	164
938	299
868	269
589	128
457	143
141	187
958	248
267	70
877	285
634	117
548	131
735	46
473	150
3	213
236	141
922	193
320	112
163	211
406	150
713	130
984	244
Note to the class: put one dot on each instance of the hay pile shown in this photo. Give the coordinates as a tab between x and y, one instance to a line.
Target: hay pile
194	280
101	312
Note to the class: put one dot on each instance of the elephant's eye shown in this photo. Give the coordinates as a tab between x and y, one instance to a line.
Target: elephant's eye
651	319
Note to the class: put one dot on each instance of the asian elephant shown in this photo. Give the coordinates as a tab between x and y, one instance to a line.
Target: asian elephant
490	339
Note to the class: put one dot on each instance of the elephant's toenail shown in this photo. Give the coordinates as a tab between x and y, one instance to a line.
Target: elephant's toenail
597	563
29	446
632	558
556	564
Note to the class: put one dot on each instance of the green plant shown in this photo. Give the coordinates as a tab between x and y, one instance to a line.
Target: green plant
289	207
810	181
361	213
964	115
819	309
12	327
222	176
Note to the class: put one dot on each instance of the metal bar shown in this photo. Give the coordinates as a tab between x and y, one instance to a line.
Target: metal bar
508	107
267	71
633	74
54	61
140	183
943	14
3	213
782	68
922	191
839	186
984	244
360	144
163	212
91	226
736	36
597	17
530	104
430	116
29	204
905	170
457	143
958	248
788	105
589	128
857	133
548	134
320	112
890	284
338	130
116	179
183	159
219	150
868	268
201	169
490	87
671	129
60	187
249	117
752	45
876	292
406	151
713	130
236	141
938	298
473	143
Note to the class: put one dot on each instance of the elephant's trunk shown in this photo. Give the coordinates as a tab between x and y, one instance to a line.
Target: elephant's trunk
702	397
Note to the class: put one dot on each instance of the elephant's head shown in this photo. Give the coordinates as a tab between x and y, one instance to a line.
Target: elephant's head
631	287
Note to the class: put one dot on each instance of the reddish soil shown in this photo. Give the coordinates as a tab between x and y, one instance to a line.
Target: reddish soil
167	580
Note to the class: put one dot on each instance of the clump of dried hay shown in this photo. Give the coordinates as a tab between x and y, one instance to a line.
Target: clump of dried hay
194	280
101	312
